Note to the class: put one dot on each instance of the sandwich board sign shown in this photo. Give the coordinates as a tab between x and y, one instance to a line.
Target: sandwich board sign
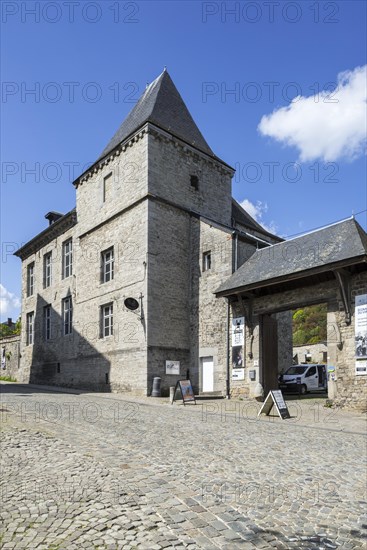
275	397
186	390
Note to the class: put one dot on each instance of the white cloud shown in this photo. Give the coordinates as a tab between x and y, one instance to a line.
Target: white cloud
257	211
327	126
8	301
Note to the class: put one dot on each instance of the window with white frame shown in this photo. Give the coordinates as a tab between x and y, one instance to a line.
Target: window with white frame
106	320
107	267
107	182
47	322
47	269
30	328
30	279
67	259
67	315
207	260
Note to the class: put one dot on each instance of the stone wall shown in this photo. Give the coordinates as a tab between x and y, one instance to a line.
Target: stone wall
11	344
348	390
285	340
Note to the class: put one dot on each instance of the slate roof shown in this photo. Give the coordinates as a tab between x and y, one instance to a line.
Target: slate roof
162	105
47	235
240	215
341	243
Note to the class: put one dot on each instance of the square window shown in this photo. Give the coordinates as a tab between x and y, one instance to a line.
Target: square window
47	270
67	259
107	265
207	260
106	320
67	315
30	279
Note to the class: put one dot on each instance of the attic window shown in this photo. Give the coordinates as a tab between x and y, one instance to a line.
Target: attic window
194	180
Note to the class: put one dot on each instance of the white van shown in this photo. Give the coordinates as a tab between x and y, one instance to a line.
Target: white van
309	376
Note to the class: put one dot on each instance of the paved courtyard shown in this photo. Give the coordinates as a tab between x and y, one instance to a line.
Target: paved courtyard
100	471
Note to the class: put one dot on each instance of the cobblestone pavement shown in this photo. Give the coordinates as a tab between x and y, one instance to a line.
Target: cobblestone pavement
93	471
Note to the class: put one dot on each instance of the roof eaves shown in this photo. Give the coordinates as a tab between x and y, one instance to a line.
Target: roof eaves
102	160
57	228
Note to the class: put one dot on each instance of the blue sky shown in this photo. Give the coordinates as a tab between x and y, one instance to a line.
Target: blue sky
251	73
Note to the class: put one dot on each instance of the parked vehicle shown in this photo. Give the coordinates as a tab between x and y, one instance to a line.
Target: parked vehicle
305	378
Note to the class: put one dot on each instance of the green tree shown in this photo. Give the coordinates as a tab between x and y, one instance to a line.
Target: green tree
8	331
310	325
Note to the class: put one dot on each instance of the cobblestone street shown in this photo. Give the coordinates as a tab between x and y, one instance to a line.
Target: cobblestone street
100	471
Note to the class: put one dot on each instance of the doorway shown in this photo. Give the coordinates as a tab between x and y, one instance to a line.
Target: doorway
207	369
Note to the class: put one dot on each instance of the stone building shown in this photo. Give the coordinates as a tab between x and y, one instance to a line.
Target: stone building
155	221
155	228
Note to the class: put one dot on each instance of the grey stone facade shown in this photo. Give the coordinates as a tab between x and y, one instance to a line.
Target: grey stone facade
140	200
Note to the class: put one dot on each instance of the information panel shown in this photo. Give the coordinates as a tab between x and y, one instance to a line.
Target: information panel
186	390
275	397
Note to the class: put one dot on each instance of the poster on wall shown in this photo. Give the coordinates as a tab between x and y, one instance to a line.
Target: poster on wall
361	326
172	367
238	331
238	340
237	359
238	374
361	367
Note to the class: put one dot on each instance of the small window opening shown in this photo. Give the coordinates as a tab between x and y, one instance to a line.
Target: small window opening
207	260
194	180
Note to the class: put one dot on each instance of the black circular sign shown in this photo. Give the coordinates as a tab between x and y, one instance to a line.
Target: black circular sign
131	304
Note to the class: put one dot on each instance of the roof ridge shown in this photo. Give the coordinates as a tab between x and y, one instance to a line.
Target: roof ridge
315	231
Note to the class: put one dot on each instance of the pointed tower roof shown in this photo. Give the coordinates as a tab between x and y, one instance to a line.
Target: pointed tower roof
162	105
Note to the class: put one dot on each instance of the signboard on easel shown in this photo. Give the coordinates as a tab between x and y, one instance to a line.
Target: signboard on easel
275	398
186	390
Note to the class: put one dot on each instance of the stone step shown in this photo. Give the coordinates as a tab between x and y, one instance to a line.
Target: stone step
208	394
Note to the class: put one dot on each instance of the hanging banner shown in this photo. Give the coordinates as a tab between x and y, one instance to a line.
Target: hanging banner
238	340
238	331
361	326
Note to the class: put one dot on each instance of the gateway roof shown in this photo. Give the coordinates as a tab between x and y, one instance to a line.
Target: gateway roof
340	243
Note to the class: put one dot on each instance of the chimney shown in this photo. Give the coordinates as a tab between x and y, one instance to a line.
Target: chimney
10	322
52	217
